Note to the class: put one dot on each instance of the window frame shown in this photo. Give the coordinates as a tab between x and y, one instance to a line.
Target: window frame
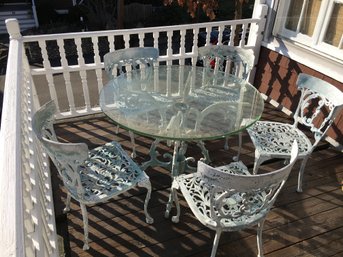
316	41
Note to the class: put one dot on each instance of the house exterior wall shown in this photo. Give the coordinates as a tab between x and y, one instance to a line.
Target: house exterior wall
276	77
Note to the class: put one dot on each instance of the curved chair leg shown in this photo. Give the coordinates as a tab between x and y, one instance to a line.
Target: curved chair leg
226	144
67	208
204	152
132	137
85	225
259	239
258	161
175	186
147	184
215	243
301	174
236	158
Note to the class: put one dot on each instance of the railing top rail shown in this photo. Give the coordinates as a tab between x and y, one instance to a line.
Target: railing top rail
30	38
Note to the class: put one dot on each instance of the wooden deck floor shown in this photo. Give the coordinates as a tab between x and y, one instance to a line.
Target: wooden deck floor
306	224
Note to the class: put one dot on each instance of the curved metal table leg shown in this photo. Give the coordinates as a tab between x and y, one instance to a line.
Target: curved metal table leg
178	163
174	172
154	161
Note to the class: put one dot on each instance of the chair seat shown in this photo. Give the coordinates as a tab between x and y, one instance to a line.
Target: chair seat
107	172
197	197
276	138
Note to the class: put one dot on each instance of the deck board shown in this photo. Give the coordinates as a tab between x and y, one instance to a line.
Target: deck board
306	224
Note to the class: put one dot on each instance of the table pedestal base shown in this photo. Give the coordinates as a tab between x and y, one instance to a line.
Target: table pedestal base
177	163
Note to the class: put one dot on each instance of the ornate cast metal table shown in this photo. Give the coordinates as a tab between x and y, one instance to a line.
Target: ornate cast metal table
180	104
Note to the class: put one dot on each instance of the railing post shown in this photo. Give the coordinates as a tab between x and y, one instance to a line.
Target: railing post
12	241
256	32
26	208
13	28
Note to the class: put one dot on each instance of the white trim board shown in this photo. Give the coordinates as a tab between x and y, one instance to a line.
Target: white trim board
307	56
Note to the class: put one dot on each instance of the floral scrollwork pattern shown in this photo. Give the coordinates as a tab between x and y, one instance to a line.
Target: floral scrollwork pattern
213	200
278	137
108	170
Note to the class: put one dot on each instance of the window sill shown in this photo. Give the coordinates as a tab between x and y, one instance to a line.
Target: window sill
312	58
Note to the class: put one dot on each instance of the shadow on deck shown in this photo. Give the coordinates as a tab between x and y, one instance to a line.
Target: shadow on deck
306	224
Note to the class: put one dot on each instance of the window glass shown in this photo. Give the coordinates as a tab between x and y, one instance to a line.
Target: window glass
334	32
311	12
302	16
293	15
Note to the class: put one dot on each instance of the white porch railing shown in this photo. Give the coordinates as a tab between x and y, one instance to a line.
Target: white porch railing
71	73
72	65
27	218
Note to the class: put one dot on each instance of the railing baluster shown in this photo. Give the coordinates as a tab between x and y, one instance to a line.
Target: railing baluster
97	61
95	41
48	73
232	35
244	32
141	39
155	36
66	75
110	39
182	50
80	59
127	40
83	74
208	35
98	73
195	45
169	46
220	35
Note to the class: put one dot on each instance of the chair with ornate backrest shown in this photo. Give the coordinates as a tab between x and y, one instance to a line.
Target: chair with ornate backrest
229	198
128	61
228	60
319	104
232	60
91	176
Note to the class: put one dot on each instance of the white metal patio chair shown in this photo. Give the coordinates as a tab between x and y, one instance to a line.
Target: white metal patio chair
93	176
229	198
228	59
231	60
319	104
127	61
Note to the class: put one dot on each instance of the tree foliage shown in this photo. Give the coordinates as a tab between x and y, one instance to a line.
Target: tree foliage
208	6
211	7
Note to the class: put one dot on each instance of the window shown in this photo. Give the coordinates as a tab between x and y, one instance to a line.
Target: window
334	32
317	24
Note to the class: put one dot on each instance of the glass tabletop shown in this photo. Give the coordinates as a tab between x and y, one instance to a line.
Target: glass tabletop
181	103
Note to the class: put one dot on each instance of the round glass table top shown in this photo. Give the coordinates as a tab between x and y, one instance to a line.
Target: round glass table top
181	103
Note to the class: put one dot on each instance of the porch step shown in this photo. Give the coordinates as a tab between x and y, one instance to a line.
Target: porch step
23	15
